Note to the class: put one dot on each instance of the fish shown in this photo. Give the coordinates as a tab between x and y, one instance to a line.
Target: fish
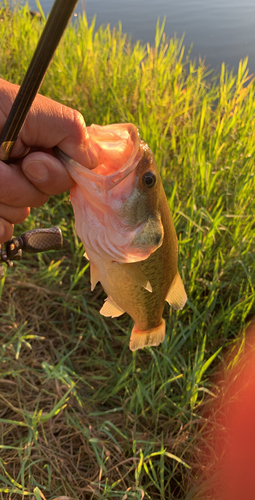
123	219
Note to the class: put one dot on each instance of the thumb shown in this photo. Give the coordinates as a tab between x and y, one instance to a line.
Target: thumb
46	173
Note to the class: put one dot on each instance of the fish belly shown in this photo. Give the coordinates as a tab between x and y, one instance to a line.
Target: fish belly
144	307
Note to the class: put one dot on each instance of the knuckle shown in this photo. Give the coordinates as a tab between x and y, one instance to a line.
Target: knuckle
78	124
78	118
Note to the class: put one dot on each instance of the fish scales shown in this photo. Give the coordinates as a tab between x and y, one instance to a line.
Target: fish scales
134	250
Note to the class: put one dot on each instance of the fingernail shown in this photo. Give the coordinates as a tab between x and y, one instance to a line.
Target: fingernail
2	229
36	170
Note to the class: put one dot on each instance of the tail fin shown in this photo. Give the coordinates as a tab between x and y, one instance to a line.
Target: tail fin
151	337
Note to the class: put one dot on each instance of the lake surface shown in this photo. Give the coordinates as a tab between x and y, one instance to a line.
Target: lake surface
220	30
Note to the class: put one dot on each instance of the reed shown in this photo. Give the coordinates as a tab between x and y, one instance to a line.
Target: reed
81	416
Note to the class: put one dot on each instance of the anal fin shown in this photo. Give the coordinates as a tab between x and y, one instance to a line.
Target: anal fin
177	296
111	309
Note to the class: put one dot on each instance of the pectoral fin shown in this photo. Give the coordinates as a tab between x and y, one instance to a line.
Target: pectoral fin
176	296
135	271
94	276
111	309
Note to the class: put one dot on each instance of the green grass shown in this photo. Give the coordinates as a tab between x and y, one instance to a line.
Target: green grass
81	416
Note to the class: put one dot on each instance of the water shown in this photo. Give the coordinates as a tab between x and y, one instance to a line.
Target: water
220	30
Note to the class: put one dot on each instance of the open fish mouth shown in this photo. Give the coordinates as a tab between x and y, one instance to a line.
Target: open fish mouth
102	194
115	150
106	179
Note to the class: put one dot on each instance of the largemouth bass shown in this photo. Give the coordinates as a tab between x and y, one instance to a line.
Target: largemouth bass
123	219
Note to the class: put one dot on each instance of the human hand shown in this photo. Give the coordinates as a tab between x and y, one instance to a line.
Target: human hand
29	181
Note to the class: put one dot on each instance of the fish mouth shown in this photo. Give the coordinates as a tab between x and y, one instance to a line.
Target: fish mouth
104	182
106	174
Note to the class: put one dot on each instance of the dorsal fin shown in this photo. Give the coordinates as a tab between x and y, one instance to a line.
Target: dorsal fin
135	271
111	309
176	296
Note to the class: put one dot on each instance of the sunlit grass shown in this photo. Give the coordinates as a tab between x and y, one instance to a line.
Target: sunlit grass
80	415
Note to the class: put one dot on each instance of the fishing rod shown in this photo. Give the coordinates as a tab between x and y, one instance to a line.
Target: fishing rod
37	240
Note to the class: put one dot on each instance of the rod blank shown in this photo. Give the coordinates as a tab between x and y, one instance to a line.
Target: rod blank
53	30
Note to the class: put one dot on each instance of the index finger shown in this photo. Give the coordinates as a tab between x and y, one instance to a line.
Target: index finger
48	124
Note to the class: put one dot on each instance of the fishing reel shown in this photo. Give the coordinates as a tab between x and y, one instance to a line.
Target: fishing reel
34	241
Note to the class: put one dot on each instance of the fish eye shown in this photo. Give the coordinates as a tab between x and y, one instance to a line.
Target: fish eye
149	179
